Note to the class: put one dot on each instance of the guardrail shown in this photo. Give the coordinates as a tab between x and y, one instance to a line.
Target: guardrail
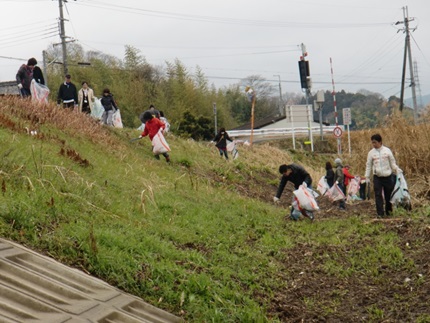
279	132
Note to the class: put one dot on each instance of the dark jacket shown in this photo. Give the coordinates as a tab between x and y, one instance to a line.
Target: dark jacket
67	92
221	140
330	177
338	175
108	102
38	75
24	76
297	177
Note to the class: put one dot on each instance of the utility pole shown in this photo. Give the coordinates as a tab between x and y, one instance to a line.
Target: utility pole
63	38
281	102
408	54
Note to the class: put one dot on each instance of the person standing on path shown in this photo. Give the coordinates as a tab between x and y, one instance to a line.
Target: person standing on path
382	165
86	98
68	94
221	142
24	77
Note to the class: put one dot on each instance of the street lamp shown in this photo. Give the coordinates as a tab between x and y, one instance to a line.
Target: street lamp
251	97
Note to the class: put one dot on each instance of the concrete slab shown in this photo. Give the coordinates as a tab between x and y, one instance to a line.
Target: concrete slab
35	288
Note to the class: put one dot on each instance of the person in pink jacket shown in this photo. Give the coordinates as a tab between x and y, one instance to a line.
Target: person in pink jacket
152	126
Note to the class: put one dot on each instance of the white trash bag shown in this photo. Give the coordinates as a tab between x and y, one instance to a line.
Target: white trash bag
116	119
335	193
159	144
39	92
97	110
231	147
323	186
305	198
400	196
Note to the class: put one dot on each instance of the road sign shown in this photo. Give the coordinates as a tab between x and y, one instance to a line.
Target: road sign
337	132
346	116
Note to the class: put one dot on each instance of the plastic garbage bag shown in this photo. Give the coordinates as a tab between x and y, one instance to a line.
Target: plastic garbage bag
39	92
305	198
159	144
116	119
97	110
335	193
400	196
323	186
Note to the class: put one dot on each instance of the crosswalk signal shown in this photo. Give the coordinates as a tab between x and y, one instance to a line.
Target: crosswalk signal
304	74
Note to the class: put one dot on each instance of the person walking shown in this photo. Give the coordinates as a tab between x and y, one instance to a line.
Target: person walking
382	165
24	77
297	175
339	179
109	106
329	175
85	98
221	142
67	94
152	126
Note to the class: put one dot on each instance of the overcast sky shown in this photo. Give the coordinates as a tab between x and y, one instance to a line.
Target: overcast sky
232	39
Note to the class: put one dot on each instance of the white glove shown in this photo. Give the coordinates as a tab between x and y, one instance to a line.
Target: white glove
399	172
20	86
367	180
275	199
337	183
140	137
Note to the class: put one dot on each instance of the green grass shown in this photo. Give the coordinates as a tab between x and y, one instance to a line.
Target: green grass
190	237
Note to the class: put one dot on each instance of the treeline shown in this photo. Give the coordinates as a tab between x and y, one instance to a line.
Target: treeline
187	99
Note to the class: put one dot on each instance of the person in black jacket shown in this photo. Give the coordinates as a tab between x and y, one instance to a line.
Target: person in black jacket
38	75
221	142
295	174
329	176
68	94
110	107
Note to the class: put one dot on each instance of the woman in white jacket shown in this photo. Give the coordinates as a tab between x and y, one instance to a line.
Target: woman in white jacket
85	98
382	165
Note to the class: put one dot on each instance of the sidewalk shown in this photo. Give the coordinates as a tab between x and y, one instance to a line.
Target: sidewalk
35	288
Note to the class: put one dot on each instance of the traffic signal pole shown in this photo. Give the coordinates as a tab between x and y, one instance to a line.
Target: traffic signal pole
305	81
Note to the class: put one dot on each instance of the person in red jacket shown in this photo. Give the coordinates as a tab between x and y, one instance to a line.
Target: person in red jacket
152	126
347	176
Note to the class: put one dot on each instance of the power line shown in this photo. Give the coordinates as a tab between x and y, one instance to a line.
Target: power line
213	19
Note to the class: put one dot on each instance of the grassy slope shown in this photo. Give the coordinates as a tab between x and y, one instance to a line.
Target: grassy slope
195	237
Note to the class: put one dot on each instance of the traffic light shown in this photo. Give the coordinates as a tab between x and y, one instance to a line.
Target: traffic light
304	74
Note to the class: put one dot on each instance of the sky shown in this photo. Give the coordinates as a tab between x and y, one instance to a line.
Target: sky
355	43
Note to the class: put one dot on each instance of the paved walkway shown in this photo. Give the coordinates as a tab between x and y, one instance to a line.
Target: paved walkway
35	288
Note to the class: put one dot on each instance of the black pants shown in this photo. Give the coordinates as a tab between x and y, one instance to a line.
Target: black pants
386	185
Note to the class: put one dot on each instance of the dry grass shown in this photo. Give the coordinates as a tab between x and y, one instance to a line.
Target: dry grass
14	110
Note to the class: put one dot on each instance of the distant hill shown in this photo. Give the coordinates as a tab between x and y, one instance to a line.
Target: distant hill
425	99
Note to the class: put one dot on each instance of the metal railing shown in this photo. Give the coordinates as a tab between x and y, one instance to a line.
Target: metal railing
277	133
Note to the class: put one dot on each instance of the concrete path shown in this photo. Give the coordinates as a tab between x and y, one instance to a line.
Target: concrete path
35	288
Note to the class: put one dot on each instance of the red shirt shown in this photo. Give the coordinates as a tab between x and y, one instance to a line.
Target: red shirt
347	176
152	126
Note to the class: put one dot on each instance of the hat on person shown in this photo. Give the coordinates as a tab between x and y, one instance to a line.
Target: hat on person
68	76
338	161
32	62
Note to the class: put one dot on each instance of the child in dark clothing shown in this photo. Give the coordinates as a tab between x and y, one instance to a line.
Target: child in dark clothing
109	106
221	142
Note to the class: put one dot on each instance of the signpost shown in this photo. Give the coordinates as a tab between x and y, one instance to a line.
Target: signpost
347	121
